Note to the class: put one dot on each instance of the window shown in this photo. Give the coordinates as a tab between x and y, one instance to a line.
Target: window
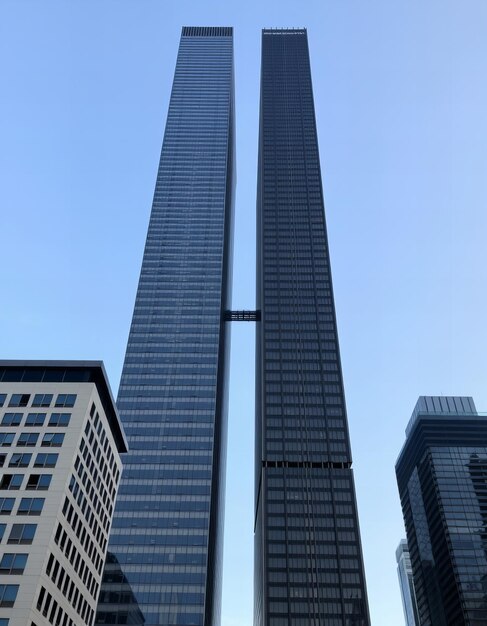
66	399
6	439
54	440
8	593
30	506
11	481
2	459
35	419
2	531
19	399
13	563
20	460
46	460
59	419
6	505
22	533
27	439
3	397
42	399
11	419
39	481
40	599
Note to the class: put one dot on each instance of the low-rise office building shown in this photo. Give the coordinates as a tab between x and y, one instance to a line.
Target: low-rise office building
60	445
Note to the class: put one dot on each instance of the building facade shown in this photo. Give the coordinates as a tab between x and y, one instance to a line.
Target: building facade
308	557
165	552
405	575
442	478
60	445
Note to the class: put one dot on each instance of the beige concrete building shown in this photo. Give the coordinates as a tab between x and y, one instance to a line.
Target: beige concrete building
60	445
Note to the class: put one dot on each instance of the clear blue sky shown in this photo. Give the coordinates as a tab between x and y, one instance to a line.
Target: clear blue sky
401	103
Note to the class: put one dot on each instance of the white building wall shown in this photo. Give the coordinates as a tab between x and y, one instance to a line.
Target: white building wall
83	560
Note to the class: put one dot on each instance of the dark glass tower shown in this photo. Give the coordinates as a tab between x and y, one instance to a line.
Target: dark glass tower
308	558
165	550
442	478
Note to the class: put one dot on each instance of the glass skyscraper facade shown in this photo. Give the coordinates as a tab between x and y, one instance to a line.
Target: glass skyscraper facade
308	558
442	478
405	575
165	550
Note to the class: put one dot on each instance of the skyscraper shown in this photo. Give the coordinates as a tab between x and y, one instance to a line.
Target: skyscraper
308	558
165	551
442	478
60	443
405	575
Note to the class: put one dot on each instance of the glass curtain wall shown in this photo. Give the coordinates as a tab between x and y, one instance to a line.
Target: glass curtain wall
308	558
165	549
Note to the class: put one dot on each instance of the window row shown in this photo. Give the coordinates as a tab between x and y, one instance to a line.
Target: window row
12	563
19	533
23	459
39	400
27	506
39	482
36	419
29	440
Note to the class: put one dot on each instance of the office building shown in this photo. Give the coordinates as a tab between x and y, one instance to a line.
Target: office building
60	445
442	478
308	558
405	574
165	551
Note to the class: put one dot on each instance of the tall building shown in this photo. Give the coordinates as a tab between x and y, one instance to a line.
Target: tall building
165	551
60	445
308	558
405	575
442	478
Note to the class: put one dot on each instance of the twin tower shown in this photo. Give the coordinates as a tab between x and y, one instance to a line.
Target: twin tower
164	565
